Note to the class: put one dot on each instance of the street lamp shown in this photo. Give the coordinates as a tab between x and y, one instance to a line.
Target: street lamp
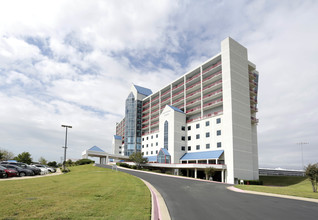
302	155
65	146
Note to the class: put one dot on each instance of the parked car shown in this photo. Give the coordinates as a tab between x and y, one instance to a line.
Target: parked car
2	173
43	169
35	170
9	172
50	169
22	172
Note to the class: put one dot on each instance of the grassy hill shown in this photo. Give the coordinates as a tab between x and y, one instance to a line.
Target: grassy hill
85	192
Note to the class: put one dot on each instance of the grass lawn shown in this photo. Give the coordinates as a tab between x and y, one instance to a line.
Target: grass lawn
85	192
285	185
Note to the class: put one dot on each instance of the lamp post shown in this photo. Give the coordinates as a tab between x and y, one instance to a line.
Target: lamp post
65	146
302	155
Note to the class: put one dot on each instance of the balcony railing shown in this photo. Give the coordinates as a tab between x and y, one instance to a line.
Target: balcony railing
154	123
254	109
213	93
155	105
191	94
212	103
212	76
177	86
178	100
165	93
254	120
190	87
193	77
193	109
162	101
213	84
211	67
146	109
147	103
193	101
205	116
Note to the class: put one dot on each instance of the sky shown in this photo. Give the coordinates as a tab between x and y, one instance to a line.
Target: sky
73	63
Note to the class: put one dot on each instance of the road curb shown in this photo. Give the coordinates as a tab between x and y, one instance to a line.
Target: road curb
232	188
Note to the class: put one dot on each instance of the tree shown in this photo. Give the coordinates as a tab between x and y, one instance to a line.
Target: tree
42	160
138	159
311	172
6	155
209	172
24	157
52	164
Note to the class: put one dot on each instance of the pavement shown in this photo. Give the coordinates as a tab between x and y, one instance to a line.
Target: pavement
188	198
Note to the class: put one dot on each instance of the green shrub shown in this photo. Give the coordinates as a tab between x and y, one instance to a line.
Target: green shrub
134	167
84	161
253	182
123	165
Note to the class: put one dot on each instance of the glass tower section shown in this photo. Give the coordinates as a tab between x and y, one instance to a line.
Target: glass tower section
165	140
132	125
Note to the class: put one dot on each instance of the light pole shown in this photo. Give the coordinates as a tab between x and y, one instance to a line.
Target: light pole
65	146
302	155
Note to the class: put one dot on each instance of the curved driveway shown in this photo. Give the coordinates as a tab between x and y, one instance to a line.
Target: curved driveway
192	199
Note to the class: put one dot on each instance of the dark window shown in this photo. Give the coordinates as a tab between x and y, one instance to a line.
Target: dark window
119	152
207	134
189	128
151	152
151	144
219	144
147	138
197	125
119	147
156	143
142	153
183	128
147	153
151	136
156	151
183	148
198	147
197	136
143	146
207	123
143	139
156	135
189	148
189	138
147	145
183	138
218	132
207	146
218	120
165	139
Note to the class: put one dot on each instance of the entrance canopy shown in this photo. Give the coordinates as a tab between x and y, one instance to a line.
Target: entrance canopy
204	155
103	156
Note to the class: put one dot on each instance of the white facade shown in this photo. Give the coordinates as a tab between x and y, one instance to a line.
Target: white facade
212	107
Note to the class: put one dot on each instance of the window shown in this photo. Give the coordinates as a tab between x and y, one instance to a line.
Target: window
207	134
156	151
147	138
218	132
218	120
189	138
197	136
189	128
189	148
183	148
143	146
119	147
207	123
151	144
147	145
151	136
219	144
147	153
156	135
197	125
143	139
183	128
119	152
151	152
156	143
142	153
165	138
198	147
183	138
207	146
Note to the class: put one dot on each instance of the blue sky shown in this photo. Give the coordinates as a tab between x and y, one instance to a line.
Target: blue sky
73	62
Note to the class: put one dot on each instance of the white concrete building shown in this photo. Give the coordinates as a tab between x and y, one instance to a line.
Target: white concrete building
207	116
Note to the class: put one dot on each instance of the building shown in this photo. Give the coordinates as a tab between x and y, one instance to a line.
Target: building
205	118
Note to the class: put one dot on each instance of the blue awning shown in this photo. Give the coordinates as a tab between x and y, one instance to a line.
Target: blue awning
95	148
176	109
204	155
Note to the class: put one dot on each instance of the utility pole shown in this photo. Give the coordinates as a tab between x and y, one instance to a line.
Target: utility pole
65	146
302	155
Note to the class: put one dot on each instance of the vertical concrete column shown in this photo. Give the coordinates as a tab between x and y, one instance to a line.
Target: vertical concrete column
187	172
195	172
222	176
107	159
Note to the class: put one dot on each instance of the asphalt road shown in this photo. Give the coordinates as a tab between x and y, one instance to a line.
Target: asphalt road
191	199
